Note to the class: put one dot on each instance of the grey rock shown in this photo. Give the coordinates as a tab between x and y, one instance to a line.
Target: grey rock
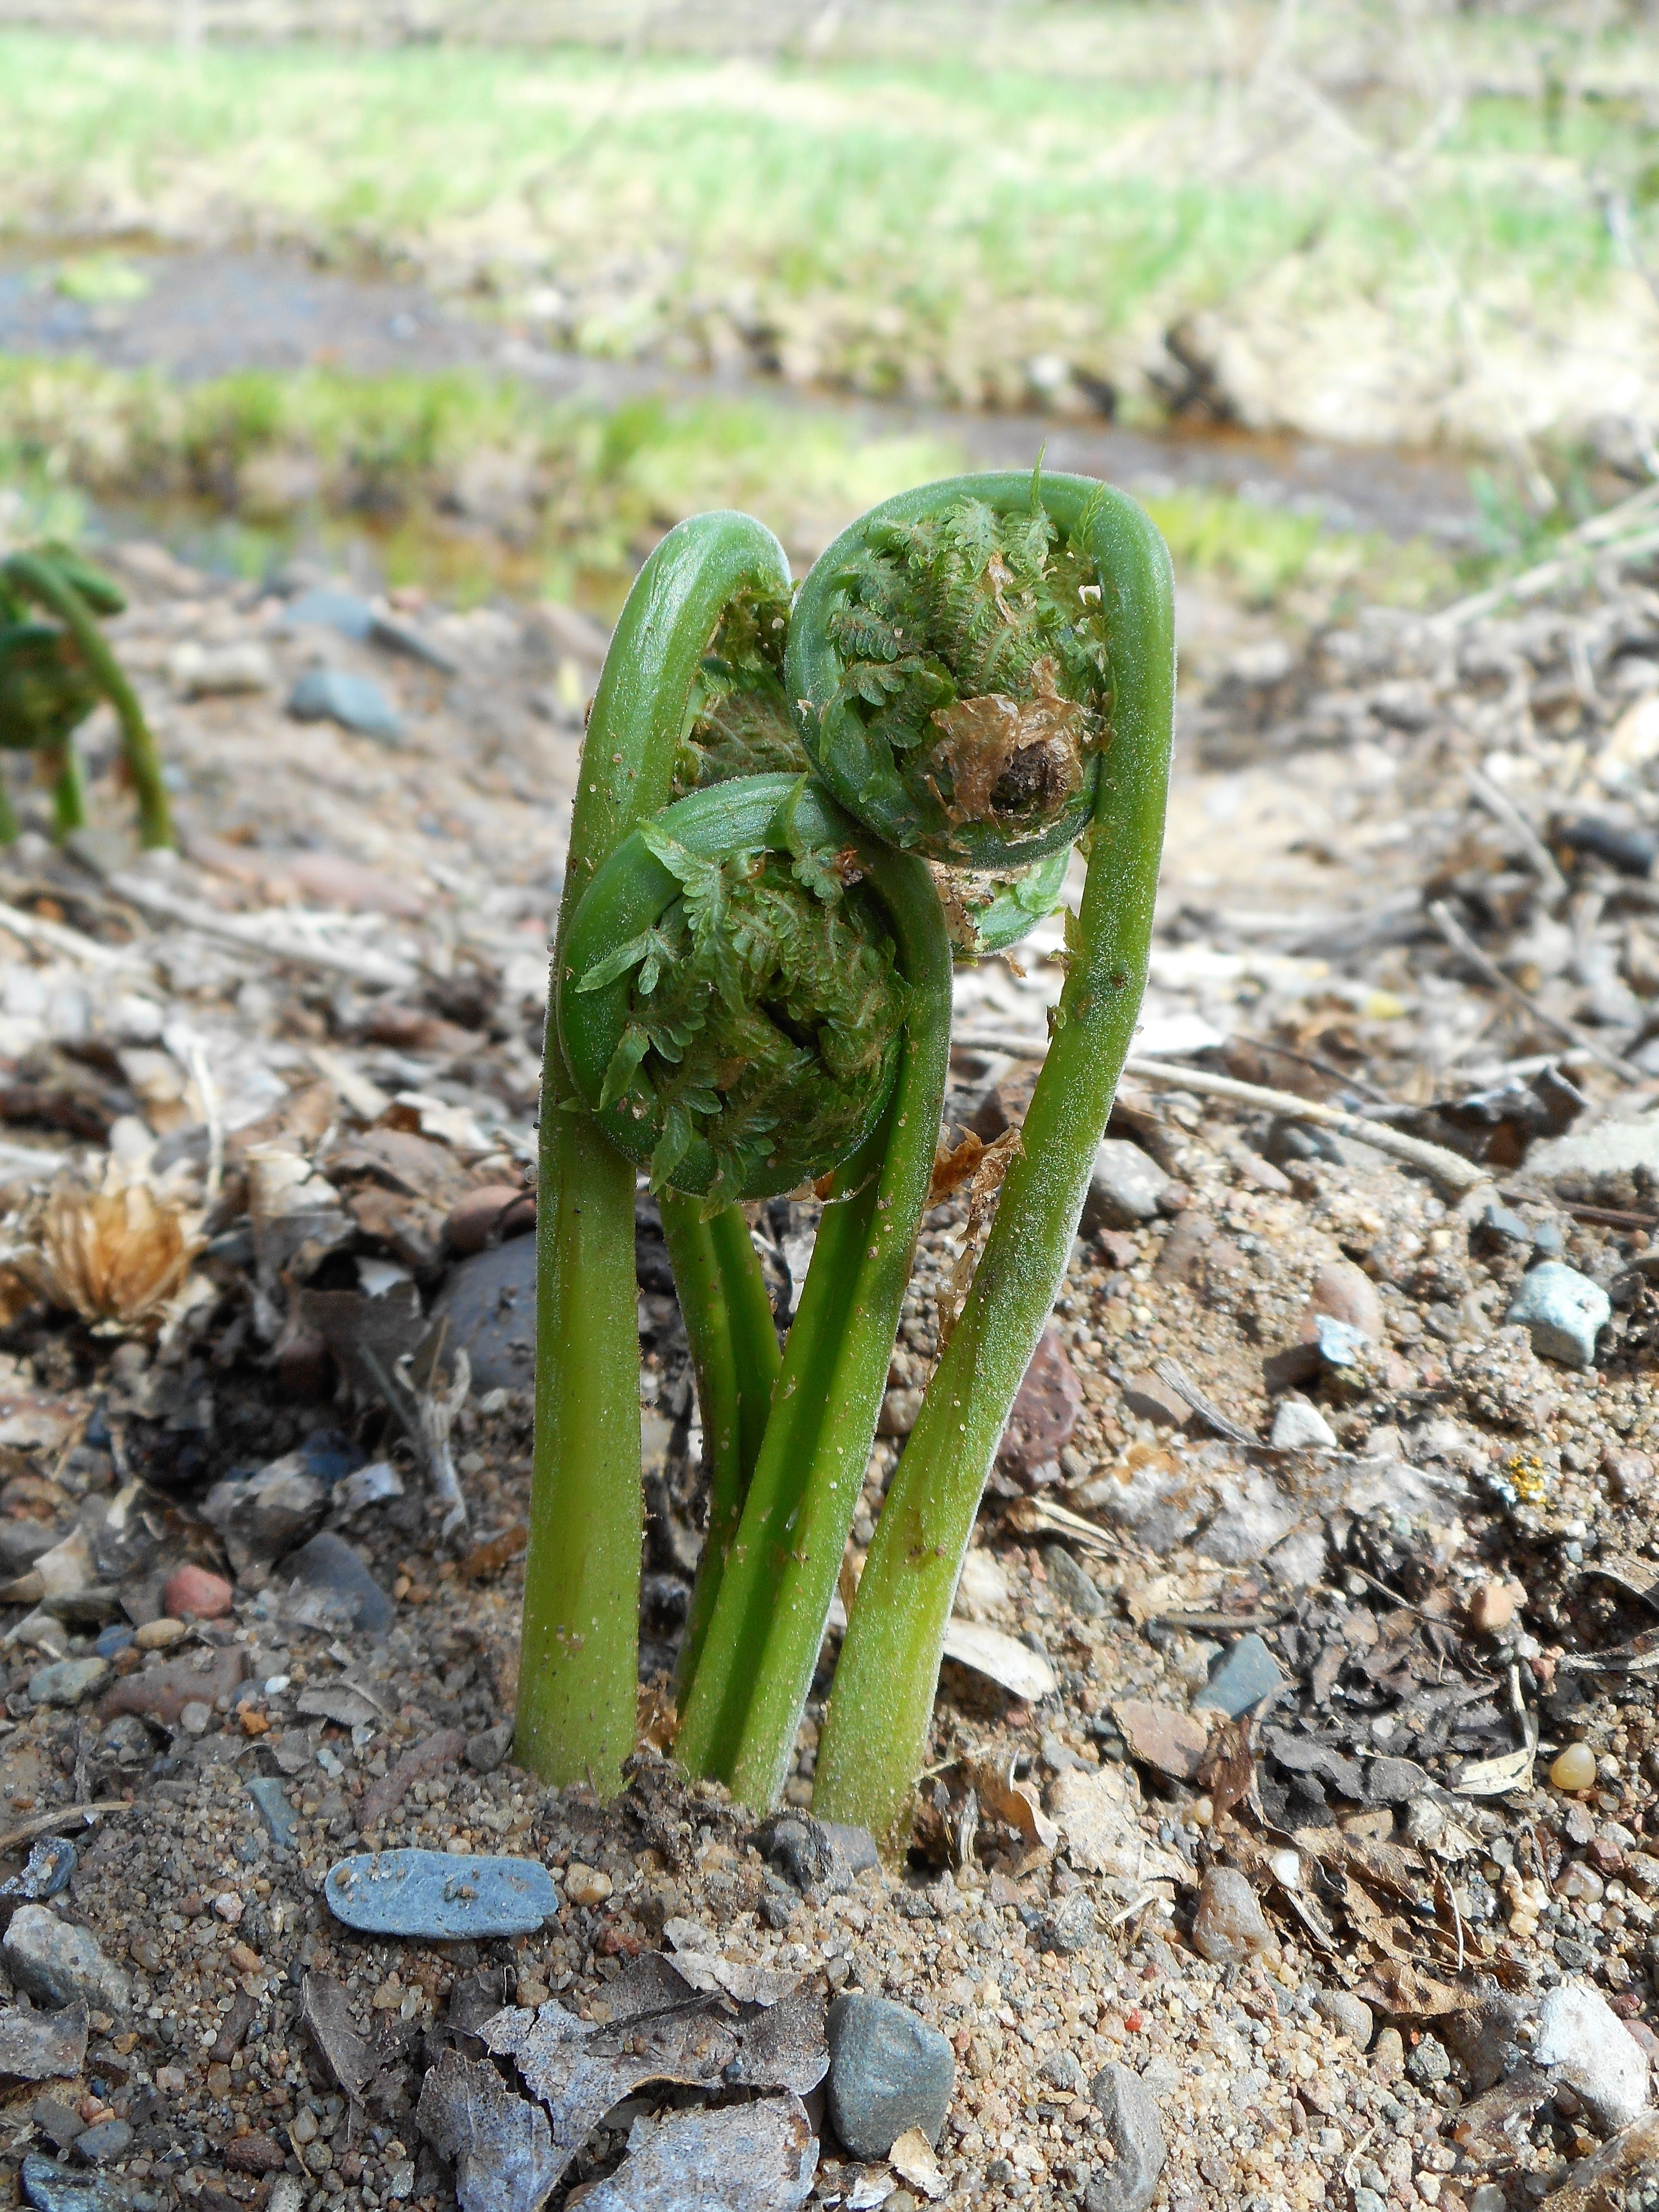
1298	1425
54	2188
1072	1926
1491	2197
344	613
486	1750
21	1543
332	1588
1561	1310
1367	2200
56	1963
278	1815
66	1682
1136	2136
1614	1147
1337	1343
1499	1225
888	2072
42	2046
1061	2071
262	1516
107	2141
60	2123
1241	1678
1583	2042
1429	2063
489	1304
355	702
1072	1585
1228	1923
441	1895
1348	2014
50	1862
854	1846
1395	1782
1125	1188
1255	1515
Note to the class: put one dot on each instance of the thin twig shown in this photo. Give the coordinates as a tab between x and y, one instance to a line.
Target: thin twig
1464	945
43	1822
263	935
57	937
1503	808
1175	1377
1450	1168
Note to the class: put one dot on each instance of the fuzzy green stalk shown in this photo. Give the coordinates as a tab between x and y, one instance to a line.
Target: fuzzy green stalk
875	1733
69	790
735	1359
44	578
578	1668
761	1645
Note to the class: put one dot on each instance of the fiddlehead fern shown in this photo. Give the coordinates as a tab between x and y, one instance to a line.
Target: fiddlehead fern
740	723
950	665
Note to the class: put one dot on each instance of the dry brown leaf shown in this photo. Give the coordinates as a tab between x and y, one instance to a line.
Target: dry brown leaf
1016	1803
1396	1986
1229	1770
992	1165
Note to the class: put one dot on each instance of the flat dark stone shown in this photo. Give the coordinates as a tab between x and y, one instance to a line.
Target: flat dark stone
328	1565
490	1302
440	1895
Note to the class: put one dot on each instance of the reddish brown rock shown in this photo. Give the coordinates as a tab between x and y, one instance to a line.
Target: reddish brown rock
1346	1293
161	1693
1044	1413
190	1592
489	1215
1160	1736
255	2154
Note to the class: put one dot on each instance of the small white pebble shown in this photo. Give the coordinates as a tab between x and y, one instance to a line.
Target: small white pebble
276	1685
228	1907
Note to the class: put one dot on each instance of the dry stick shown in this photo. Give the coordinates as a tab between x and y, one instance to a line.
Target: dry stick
1503	808
1450	1168
1462	944
42	1821
255	933
57	937
1602	529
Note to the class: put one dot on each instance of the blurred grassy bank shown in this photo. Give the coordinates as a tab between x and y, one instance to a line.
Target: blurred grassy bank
1389	239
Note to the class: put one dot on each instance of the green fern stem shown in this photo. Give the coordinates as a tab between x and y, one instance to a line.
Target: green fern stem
875	1735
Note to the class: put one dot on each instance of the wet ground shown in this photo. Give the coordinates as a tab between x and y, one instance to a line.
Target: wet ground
210	314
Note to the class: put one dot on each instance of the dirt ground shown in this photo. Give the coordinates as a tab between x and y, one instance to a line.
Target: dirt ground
308	1041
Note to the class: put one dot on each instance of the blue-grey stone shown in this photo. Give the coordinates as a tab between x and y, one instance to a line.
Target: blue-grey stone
1240	1678
278	1815
1137	2135
49	1865
108	2139
1561	1310
51	2187
66	1682
328	1577
355	702
1498	1224
1339	1343
888	2072
489	1304
323	609
56	1962
116	1637
441	1895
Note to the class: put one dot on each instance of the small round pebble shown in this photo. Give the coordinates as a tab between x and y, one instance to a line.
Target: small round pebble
1575	1769
585	1885
1489	2198
1492	1608
1348	2014
193	1594
195	1717
156	1635
1228	1924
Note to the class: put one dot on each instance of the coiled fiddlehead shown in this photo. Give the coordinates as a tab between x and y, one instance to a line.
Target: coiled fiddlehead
949	666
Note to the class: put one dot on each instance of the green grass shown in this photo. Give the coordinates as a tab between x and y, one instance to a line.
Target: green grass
929	231
472	484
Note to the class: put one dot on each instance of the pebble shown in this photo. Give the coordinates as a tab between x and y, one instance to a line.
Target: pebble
1348	2014
1389	2057
1492	1607
1241	1678
1583	2042
107	2141
1228	1924
489	1304
1298	1425
1367	2200
1499	1225
586	1885
1124	1188
209	671
51	1864
355	702
1630	1476
441	1894
1136	2136
57	1963
328	1570
1428	2062
53	2188
67	1681
190	1592
1574	1769
1072	1585
1344	1292
1160	1736
1044	1415
157	1635
888	2072
1562	1311
262	1515
491	1213
486	1750
1489	2198
42	2046
162	1693
116	1637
